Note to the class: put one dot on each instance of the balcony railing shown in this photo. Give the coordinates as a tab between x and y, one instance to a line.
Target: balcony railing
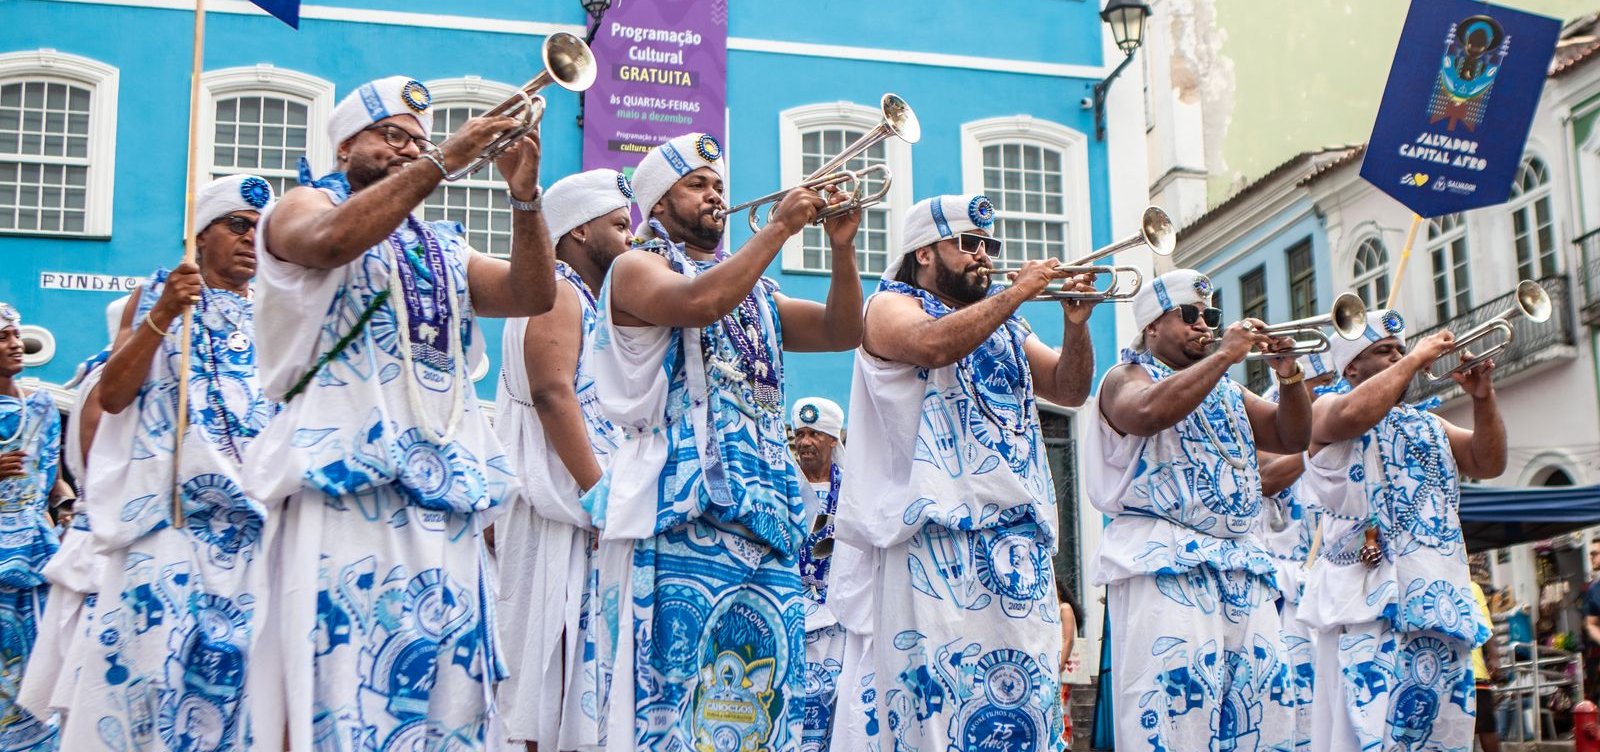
1533	343
1589	277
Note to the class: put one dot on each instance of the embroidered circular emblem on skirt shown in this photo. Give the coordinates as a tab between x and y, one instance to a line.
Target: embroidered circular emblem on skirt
405	672
1009	678
194	722
680	621
1438	607
222	518
429	600
1000	728
1013	564
425	467
743	660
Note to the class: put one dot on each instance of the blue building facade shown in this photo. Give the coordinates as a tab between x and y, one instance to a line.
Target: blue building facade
93	118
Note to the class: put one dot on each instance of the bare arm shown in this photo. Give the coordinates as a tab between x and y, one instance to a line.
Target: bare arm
1340	417
897	328
309	230
136	347
524	286
550	346
836	325
648	291
1279	471
1063	376
1284	428
1480	452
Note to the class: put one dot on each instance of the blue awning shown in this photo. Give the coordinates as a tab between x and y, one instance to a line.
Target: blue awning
1494	517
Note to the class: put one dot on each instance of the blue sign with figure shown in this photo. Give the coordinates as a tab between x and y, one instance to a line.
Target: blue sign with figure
1462	90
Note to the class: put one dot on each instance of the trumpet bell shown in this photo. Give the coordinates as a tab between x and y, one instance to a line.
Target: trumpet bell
1533	301
1155	227
570	62
900	119
1349	316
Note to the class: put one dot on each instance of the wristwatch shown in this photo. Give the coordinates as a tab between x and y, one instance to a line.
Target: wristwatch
1298	376
531	205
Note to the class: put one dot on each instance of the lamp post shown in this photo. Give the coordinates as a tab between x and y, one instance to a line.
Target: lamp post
1126	19
595	9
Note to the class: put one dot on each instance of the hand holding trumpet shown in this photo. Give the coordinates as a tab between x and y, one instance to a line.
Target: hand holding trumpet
1248	336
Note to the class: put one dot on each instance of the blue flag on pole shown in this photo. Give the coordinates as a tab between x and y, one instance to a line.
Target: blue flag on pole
287	11
1462	91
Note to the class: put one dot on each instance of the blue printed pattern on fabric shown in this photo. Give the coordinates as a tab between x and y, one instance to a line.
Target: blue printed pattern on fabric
1408	691
986	423
815	555
719	635
824	661
30	425
171	641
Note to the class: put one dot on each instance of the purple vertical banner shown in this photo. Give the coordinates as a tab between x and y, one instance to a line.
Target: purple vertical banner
663	73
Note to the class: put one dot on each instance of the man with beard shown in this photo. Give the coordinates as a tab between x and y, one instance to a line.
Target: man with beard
818	424
948	492
379	470
174	634
1171	458
548	417
1390	594
30	435
700	514
1290	531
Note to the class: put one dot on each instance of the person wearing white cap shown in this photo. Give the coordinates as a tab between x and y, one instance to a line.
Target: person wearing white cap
30	451
548	417
700	512
818	426
179	596
949	493
381	472
1170	456
1390	595
1292	517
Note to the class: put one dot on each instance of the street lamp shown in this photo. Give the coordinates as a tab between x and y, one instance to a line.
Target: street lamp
1126	19
595	9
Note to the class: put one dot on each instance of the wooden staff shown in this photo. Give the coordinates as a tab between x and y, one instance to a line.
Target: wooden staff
188	257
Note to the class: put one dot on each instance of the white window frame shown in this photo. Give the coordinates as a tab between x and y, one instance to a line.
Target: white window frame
1025	129
1444	240
470	91
58	67
793	123
264	79
1359	280
1524	202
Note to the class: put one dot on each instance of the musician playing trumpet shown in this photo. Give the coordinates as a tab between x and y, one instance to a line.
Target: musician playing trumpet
951	495
1390	594
1171	458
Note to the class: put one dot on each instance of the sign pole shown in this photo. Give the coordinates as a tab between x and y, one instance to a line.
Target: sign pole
184	347
1405	256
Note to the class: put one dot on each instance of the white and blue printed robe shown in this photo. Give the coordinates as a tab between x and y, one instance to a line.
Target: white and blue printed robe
1197	656
381	629
825	635
545	546
700	517
172	632
27	541
949	496
1399	636
1288	532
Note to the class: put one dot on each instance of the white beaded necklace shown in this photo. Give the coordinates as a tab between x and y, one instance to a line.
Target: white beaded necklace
402	322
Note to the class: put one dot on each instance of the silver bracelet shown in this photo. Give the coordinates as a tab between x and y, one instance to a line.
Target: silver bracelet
434	158
531	205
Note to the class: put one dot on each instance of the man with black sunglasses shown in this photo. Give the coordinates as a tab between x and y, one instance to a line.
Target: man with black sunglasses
1390	596
168	584
948	490
381	468
1171	458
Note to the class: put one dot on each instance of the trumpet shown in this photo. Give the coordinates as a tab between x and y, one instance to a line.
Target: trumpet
1348	319
1531	302
1156	233
898	120
568	63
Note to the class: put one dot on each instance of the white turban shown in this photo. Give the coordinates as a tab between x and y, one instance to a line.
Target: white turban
934	219
666	164
226	195
9	317
1166	292
1380	325
1316	364
576	199
820	415
377	100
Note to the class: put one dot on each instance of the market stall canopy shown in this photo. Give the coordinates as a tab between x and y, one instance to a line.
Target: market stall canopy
1495	517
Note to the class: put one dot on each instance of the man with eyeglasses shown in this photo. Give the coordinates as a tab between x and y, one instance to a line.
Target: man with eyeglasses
178	611
549	418
700	512
380	470
1196	649
1390	595
949	494
818	425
